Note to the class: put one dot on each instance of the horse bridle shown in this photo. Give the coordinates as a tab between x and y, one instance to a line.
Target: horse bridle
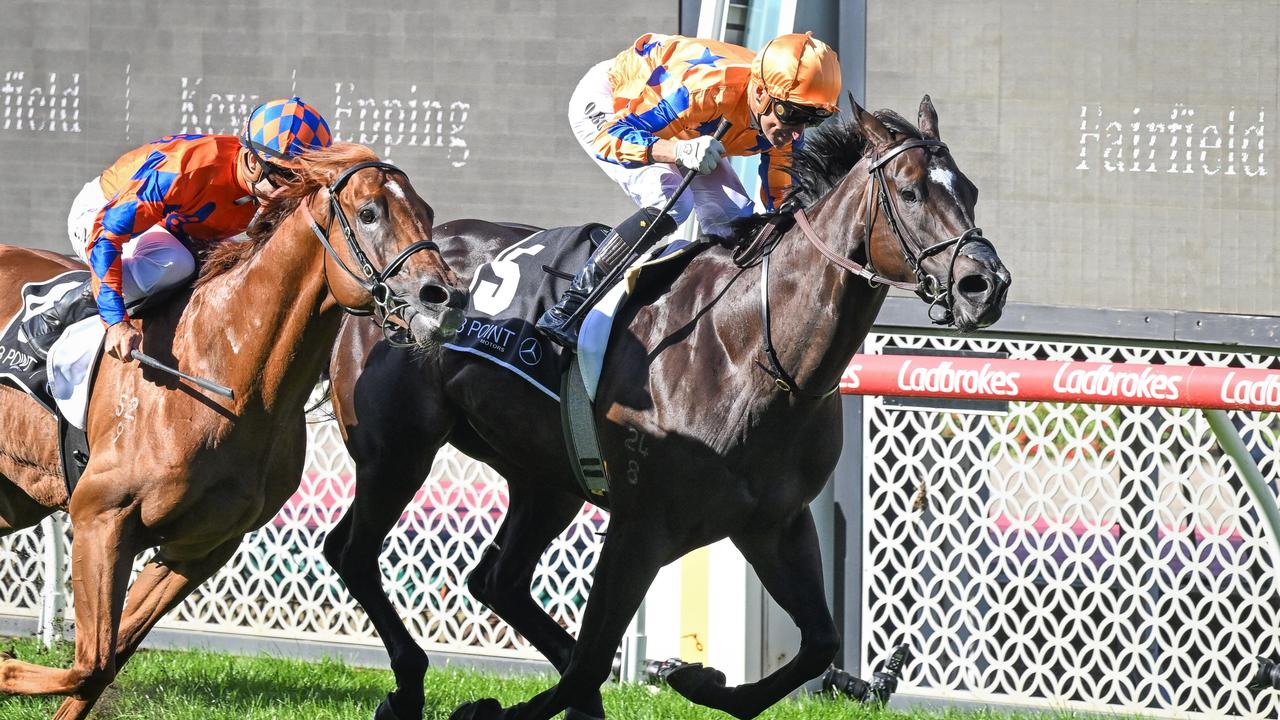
388	307
933	291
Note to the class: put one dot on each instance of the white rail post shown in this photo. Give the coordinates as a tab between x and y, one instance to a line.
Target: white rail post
634	647
1234	447
54	598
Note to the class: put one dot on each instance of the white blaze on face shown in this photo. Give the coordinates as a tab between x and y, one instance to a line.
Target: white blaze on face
398	191
947	179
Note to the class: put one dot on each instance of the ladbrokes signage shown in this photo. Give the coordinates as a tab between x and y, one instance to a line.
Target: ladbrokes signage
1106	380
1050	381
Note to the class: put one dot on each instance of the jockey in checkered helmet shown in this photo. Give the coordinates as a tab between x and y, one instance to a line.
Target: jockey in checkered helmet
169	200
275	133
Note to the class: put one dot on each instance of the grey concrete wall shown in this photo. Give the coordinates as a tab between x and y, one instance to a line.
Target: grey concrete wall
1120	146
470	98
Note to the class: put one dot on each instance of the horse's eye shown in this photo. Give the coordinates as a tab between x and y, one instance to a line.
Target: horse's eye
909	195
367	216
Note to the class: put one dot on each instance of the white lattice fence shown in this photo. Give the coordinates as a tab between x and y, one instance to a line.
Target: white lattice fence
279	584
1076	556
21	573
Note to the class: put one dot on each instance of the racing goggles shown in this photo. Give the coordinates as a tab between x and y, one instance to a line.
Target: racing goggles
266	169
790	113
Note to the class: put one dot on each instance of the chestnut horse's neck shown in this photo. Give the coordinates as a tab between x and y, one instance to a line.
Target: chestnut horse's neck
821	313
265	327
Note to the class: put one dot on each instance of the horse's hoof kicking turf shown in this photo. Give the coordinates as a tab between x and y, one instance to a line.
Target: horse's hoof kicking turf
486	709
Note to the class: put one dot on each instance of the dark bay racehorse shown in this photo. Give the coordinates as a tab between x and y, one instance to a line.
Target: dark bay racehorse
188	473
730	453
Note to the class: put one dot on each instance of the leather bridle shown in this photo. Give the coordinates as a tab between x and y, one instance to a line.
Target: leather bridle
932	290
389	307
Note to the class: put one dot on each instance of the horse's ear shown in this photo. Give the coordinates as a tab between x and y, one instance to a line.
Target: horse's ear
872	129
928	119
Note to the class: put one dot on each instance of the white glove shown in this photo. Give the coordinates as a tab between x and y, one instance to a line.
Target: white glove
701	153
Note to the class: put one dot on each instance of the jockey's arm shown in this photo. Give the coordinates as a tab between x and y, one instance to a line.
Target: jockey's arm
663	151
631	137
124	218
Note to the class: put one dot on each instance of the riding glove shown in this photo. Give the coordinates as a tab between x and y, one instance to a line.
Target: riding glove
701	153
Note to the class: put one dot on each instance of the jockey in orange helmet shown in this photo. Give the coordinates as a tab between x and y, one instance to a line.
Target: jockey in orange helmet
648	114
137	223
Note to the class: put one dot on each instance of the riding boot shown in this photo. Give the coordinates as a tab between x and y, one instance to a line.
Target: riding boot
46	327
618	247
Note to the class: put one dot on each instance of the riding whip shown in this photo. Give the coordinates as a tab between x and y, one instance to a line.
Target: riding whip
212	387
609	279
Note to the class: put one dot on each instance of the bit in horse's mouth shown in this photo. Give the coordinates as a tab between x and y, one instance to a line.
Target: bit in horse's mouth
435	325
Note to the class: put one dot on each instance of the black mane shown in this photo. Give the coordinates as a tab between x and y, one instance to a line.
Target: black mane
829	152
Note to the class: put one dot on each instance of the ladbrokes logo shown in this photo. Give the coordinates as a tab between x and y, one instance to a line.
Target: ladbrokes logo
1251	392
1149	384
946	378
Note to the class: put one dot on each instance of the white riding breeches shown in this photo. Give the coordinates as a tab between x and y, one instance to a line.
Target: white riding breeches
717	197
153	261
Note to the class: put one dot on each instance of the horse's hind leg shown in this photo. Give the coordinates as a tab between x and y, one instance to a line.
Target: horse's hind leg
628	563
789	564
504	575
158	589
102	556
385	483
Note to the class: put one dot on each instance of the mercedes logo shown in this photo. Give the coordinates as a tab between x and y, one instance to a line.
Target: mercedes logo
530	351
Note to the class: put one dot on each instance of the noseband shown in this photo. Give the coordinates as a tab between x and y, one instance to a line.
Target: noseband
933	291
389	307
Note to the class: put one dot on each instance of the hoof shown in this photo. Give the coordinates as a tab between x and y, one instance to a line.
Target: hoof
701	685
385	711
486	709
9	654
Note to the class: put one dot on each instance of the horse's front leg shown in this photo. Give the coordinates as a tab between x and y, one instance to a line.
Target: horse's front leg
502	579
106	541
629	561
788	561
159	588
385	484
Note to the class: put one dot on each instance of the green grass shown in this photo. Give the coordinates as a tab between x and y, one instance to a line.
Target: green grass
195	685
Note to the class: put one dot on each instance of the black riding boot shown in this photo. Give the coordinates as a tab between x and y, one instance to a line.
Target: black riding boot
615	249
43	329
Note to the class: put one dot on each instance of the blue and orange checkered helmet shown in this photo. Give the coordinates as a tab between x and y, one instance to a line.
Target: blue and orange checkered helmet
283	129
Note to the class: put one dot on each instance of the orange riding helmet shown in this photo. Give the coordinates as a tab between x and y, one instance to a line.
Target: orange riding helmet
797	70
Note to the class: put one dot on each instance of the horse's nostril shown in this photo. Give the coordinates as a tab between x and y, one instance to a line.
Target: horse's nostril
434	294
971	285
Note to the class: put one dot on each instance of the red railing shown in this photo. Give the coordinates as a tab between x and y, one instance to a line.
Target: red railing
1056	381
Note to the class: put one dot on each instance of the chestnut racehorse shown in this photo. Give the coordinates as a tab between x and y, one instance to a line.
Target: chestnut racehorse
695	377
189	473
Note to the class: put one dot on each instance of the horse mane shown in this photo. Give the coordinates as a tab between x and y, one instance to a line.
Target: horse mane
315	169
828	153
